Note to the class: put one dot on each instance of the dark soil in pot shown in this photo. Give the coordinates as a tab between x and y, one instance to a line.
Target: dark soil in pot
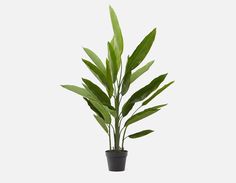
116	160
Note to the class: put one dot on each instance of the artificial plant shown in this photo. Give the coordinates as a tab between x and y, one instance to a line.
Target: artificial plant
116	78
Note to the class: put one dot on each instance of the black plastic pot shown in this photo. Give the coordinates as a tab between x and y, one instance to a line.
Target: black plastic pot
116	160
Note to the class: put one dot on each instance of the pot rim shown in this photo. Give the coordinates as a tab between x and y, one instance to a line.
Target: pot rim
116	151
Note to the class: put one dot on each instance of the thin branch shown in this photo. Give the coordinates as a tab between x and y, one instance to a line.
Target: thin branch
109	133
122	129
136	110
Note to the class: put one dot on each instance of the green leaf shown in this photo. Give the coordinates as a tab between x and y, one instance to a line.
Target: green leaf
143	114
141	51
109	79
78	90
95	59
118	38
142	94
102	97
117	52
94	108
112	112
102	123
91	93
112	61
157	93
140	71
140	134
97	72
126	83
103	110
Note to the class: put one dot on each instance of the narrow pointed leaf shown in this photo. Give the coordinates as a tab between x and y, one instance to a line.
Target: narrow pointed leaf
112	61
126	83
118	38
103	110
140	71
109	79
78	90
117	52
102	97
91	93
157	92
95	59
143	114
93	108
142	93
140	134
112	112
141	51
97	72
101	122
136	58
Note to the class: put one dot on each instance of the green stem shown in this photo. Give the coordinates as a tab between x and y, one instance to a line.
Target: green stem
109	133
125	127
123	139
117	129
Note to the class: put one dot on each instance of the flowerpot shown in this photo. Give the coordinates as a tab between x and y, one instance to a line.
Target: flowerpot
116	160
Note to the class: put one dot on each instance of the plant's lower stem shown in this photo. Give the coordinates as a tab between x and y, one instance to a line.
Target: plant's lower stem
123	138
117	128
109	133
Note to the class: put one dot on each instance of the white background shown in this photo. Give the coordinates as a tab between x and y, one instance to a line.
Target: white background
48	134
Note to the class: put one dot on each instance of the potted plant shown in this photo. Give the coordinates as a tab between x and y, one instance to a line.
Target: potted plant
116	77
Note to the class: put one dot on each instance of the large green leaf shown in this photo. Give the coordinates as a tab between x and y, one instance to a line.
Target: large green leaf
140	71
97	72
117	52
101	122
102	97
103	110
140	134
93	108
136	58
142	94
141	51
157	93
118	38
81	91
126	82
143	114
109	79
112	61
95	59
112	112
91	93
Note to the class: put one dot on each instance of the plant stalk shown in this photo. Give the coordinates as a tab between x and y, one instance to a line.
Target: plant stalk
123	139
109	133
117	129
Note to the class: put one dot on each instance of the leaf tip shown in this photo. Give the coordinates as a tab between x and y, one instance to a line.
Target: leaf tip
86	49
164	75
151	62
84	80
110	8
154	31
